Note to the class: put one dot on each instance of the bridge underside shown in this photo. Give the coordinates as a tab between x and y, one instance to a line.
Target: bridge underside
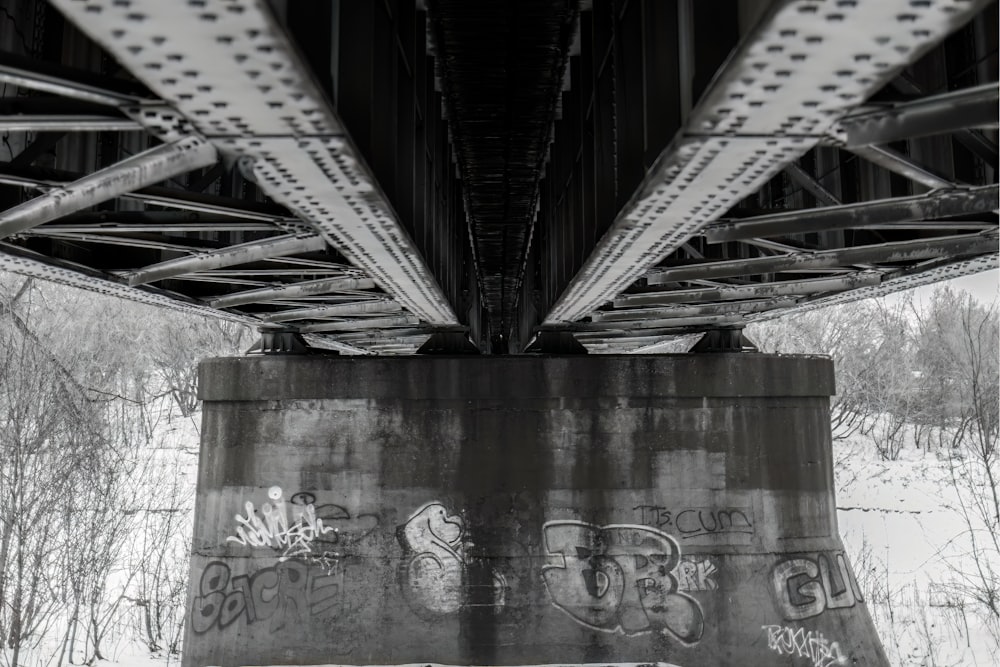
628	172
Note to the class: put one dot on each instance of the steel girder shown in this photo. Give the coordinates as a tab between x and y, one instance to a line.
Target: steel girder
229	72
939	204
161	196
796	80
152	166
895	281
955	110
902	251
799	86
893	161
774	96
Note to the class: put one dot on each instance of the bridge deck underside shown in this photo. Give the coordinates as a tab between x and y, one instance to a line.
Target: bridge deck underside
631	172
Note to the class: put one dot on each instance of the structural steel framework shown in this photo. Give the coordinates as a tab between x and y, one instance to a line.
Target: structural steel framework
370	174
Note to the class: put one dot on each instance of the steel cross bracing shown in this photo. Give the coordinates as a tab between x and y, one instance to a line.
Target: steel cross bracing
799	80
229	86
745	215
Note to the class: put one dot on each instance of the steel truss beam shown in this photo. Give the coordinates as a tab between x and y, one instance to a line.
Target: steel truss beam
27	263
897	163
369	323
319	269
293	291
896	281
369	336
162	196
111	228
143	241
723	308
811	185
644	337
243	253
938	114
250	94
799	71
760	290
337	310
326	343
903	251
684	342
625	327
939	204
974	140
151	166
67	123
64	81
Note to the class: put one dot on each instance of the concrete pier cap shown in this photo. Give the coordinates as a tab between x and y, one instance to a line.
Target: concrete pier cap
673	510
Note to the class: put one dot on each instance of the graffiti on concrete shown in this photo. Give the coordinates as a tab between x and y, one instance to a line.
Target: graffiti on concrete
689	522
806	586
432	572
299	528
696	573
288	591
619	578
270	526
784	640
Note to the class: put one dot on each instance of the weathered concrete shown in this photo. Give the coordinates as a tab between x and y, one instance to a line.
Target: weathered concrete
519	510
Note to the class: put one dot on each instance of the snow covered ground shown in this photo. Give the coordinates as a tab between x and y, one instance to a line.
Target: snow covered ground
908	545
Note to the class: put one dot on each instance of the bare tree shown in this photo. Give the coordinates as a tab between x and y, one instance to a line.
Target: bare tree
867	342
159	592
969	340
43	443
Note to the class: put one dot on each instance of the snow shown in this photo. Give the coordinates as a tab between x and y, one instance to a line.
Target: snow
906	541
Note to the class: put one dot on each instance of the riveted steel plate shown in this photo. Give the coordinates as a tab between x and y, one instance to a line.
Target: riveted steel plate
892	283
803	67
230	73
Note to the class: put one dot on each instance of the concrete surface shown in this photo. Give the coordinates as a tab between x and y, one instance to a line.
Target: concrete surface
521	511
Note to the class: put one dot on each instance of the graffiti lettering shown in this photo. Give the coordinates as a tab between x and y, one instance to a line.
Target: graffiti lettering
289	590
796	641
271	526
688	522
300	529
433	568
807	586
619	578
694	573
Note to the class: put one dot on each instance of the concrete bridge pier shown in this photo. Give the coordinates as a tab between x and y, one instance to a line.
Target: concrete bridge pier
521	510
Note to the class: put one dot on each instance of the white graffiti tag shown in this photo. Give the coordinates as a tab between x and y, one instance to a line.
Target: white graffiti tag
784	640
433	576
270	526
